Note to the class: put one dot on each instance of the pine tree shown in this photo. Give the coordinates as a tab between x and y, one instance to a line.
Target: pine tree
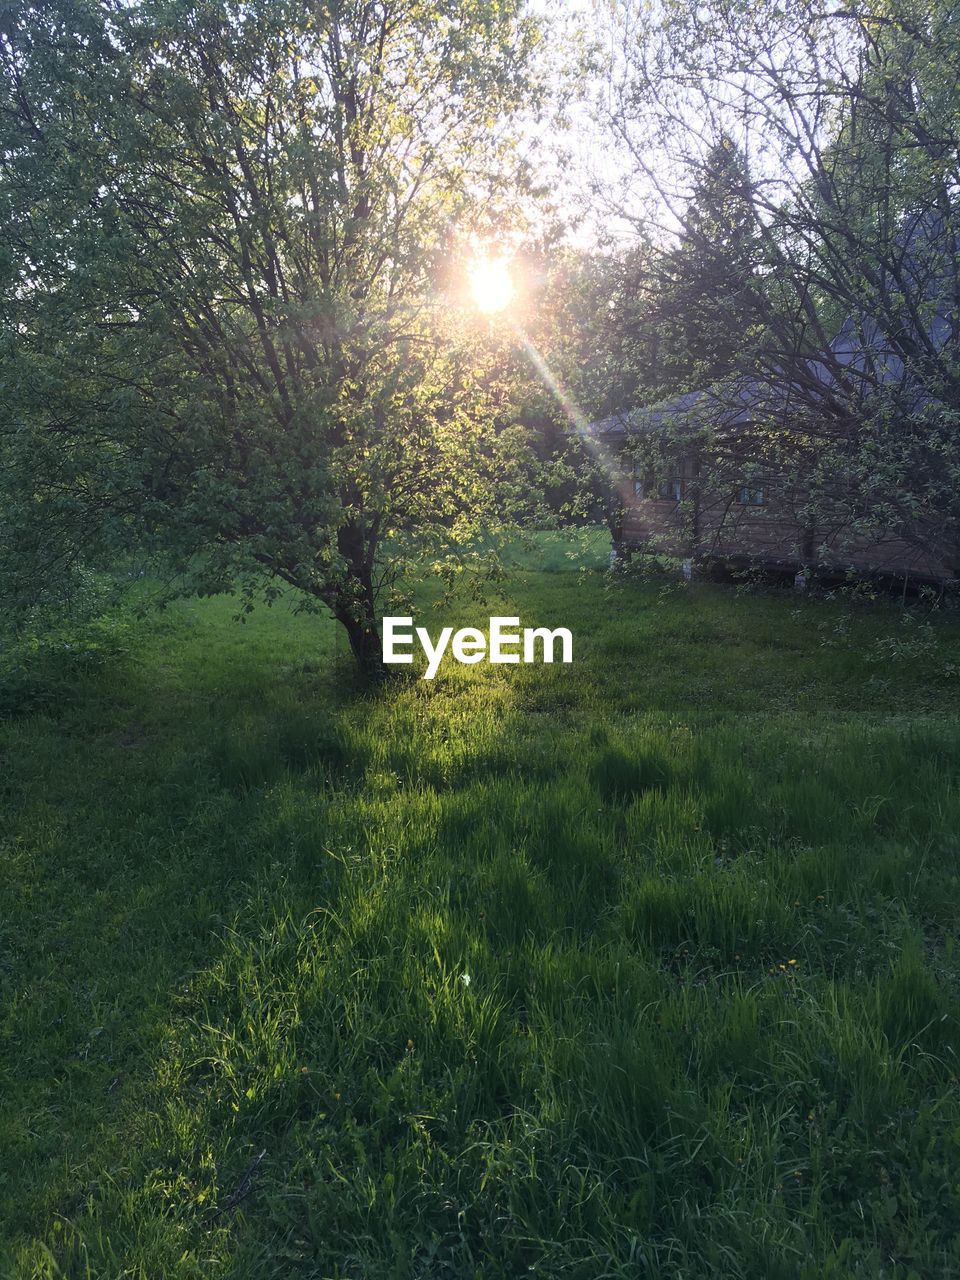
682	318
707	290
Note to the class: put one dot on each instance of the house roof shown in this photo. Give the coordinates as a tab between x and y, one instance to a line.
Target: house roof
924	261
627	420
734	402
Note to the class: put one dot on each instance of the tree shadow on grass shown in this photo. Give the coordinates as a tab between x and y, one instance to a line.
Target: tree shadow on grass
406	942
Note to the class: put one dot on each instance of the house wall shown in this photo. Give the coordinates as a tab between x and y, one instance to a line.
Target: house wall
715	524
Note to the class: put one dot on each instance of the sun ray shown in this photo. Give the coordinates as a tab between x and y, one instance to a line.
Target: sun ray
606	460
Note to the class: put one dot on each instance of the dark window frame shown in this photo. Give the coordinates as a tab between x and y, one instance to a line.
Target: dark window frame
752	495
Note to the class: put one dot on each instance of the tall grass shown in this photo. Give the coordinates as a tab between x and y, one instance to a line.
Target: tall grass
640	967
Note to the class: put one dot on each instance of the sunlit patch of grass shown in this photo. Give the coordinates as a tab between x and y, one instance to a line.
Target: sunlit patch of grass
643	966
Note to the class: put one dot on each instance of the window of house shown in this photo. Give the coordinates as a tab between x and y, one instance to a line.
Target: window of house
752	495
671	488
633	474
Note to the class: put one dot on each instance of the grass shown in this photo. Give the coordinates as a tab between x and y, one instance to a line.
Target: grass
641	967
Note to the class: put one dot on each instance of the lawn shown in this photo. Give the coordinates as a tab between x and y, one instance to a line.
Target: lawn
640	967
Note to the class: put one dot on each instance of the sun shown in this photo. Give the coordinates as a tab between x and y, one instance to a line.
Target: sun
490	283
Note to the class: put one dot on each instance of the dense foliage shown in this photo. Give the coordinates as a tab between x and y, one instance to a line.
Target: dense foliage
230	240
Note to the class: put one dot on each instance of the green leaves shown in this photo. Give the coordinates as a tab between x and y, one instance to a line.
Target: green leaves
226	236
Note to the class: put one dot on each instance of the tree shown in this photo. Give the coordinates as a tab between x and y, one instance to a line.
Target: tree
684	313
705	300
849	127
227	248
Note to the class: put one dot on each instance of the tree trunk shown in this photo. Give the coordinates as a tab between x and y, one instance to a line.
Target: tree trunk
365	645
358	608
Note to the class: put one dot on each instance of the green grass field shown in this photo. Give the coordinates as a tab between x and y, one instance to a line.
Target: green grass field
643	967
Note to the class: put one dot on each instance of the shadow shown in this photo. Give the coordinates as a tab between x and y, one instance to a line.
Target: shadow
419	943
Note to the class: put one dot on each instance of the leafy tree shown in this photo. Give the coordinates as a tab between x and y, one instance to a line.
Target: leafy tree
848	120
565	372
228	248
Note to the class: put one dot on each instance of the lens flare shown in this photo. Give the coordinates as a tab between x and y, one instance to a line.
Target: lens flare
490	283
